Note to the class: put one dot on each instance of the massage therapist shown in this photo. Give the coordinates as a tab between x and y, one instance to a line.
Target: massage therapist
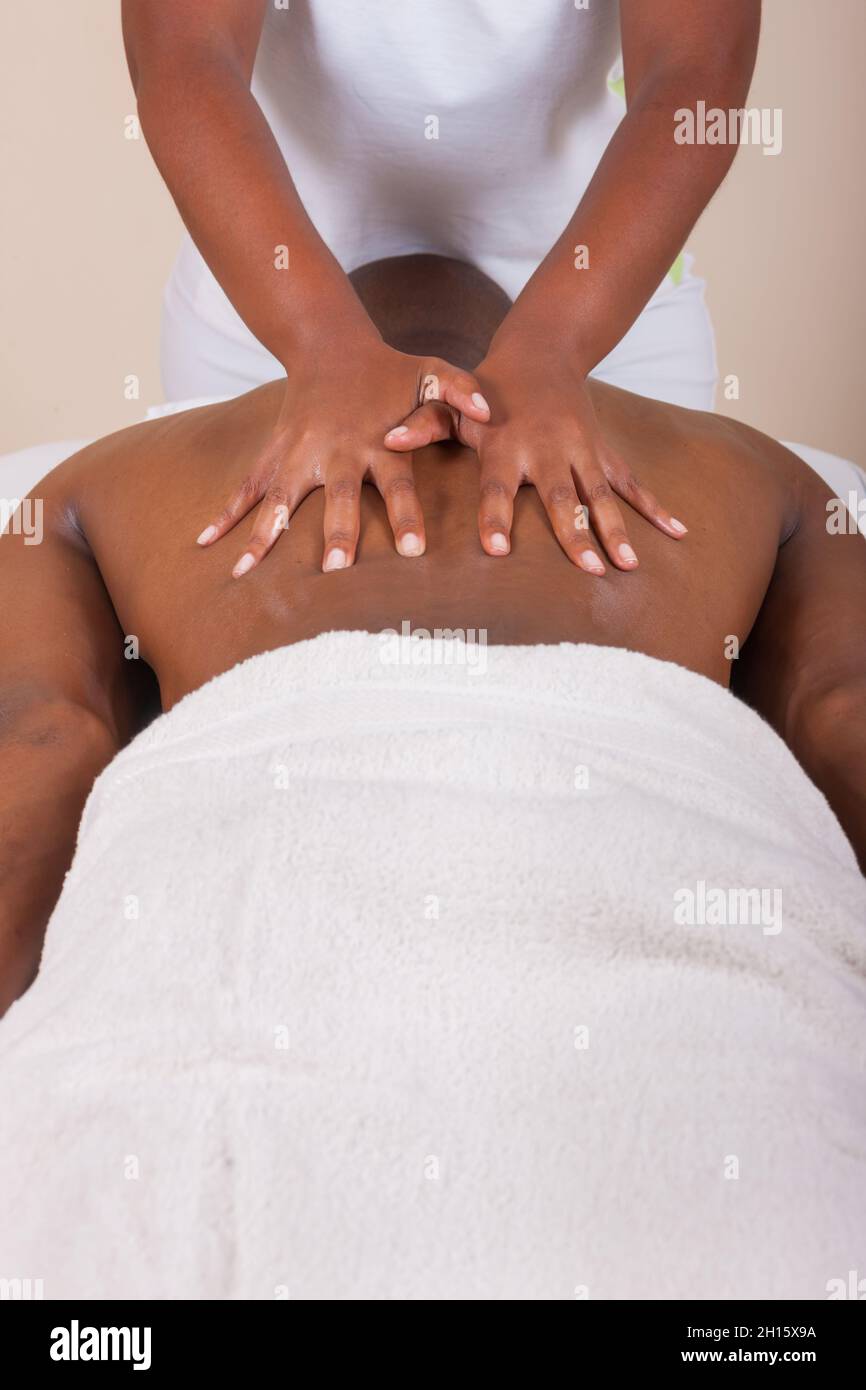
303	138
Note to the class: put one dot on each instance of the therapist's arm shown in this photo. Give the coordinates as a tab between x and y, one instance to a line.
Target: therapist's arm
67	704
191	63
648	190
633	220
804	665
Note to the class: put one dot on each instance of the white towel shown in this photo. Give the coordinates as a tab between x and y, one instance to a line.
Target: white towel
370	980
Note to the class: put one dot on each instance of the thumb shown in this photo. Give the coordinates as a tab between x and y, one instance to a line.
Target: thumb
442	382
427	425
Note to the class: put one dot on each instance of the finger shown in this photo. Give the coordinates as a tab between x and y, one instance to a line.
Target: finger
632	490
393	477
442	382
569	520
498	487
247	496
273	519
426	425
342	519
606	517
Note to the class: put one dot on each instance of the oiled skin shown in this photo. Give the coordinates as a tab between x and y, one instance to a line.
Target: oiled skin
191	66
734	490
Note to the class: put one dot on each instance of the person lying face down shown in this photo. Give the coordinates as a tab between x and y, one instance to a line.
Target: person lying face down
757	595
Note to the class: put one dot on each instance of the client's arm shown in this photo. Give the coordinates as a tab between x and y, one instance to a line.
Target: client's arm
804	665
66	705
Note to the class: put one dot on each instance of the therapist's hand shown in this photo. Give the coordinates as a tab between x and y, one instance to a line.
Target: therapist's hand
339	401
543	431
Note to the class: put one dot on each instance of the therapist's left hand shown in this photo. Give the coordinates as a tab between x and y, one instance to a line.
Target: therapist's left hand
543	431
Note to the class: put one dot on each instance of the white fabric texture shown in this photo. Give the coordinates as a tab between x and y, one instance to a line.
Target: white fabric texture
469	130
310	1015
668	354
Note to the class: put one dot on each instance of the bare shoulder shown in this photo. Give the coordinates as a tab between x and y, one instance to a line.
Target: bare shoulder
146	456
720	451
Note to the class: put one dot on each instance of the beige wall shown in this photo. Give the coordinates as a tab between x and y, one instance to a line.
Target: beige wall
781	245
89	232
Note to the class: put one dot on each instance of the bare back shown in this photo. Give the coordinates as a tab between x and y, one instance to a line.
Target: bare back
140	498
760	594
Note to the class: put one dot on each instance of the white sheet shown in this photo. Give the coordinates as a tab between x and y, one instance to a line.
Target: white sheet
367	982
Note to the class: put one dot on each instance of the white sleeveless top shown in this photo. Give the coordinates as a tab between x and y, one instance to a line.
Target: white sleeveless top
465	127
470	128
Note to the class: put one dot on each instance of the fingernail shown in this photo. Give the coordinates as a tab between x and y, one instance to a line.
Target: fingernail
479	401
207	535
409	544
678	526
335	560
591	562
499	543
397	431
244	565
627	555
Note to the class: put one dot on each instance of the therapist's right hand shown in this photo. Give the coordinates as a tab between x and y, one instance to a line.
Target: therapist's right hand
339	402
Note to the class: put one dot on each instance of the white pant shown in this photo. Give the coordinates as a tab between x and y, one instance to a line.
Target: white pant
668	354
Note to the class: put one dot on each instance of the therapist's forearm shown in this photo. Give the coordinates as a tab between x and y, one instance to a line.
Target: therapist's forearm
224	169
640	207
